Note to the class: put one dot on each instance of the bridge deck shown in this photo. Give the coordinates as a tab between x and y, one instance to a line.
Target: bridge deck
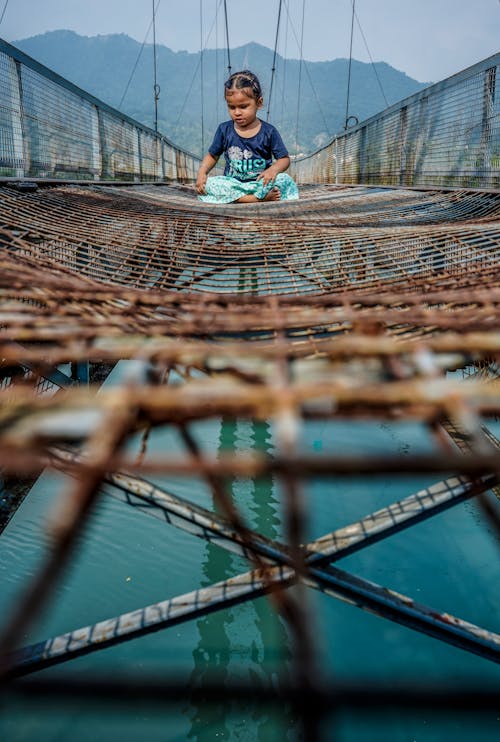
352	303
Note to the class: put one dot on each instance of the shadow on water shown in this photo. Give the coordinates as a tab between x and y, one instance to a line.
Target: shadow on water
249	642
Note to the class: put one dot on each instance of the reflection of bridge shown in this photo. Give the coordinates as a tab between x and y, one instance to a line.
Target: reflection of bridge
351	303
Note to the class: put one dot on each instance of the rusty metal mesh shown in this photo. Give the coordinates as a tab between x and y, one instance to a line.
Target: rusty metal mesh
352	303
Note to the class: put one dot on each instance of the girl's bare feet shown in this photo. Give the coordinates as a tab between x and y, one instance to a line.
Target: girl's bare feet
273	195
248	198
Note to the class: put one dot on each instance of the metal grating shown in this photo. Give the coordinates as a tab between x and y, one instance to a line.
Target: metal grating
355	303
353	306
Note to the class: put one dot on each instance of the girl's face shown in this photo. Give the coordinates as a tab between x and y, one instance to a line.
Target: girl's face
242	107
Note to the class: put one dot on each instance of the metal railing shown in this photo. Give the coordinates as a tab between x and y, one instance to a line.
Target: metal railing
447	134
50	128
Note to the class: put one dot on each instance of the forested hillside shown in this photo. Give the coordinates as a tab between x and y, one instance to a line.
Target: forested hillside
113	69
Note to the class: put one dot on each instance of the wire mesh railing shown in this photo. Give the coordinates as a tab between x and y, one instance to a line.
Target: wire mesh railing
445	135
50	128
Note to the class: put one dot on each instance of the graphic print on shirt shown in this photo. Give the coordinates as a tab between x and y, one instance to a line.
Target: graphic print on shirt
243	165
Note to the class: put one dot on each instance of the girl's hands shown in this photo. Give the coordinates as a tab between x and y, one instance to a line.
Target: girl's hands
206	165
201	182
268	175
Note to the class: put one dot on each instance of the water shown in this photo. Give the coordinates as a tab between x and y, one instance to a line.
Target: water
127	559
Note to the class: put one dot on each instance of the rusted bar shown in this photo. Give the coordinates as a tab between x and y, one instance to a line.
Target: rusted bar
16	460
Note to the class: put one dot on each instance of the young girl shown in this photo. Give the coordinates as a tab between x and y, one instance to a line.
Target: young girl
249	146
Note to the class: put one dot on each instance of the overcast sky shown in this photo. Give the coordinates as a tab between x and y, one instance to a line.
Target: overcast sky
427	39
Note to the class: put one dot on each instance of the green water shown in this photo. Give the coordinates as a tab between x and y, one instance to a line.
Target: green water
126	560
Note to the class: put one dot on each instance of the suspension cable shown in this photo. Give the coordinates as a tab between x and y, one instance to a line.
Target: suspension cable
273	68
156	87
300	77
201	81
227	40
217	58
349	69
138	58
371	60
318	102
284	70
193	78
4	9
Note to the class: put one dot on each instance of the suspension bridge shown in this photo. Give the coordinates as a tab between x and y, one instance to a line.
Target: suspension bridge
359	302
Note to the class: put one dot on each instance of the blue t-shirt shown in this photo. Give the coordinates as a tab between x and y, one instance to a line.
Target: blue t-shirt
245	157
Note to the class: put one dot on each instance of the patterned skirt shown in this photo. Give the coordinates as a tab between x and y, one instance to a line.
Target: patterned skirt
222	189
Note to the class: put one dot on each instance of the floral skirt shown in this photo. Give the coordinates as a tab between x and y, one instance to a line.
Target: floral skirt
222	189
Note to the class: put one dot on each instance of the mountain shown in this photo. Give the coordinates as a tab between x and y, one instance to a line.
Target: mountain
114	69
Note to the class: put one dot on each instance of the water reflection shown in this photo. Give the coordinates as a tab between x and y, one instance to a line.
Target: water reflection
247	642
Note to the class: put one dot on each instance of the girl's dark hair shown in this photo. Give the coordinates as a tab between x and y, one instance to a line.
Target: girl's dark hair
244	79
